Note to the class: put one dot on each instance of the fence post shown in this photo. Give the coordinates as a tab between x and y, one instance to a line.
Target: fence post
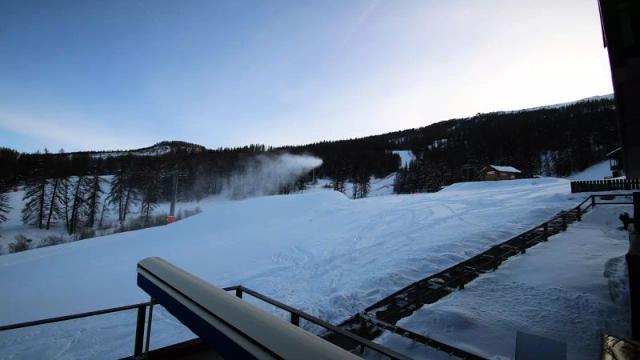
636	210
633	266
593	201
295	319
239	293
579	213
564	221
137	346
148	341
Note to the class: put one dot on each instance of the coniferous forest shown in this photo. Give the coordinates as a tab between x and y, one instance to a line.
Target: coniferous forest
69	188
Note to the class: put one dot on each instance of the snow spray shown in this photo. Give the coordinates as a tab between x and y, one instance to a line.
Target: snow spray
265	174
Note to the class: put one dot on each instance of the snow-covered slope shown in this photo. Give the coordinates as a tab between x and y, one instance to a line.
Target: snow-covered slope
406	157
571	289
598	171
318	251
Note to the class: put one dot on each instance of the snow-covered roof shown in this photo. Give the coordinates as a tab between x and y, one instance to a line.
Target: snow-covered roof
506	169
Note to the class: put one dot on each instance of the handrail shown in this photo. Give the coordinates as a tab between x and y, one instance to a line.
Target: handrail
73	316
295	316
578	186
340	331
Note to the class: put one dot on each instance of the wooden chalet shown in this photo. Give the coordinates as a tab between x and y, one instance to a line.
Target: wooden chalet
499	172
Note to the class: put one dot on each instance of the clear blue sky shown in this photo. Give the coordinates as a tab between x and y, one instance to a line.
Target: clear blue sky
84	75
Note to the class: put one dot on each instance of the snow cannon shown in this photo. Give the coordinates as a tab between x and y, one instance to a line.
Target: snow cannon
229	326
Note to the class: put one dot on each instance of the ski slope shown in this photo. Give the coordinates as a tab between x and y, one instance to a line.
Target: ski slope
318	251
406	157
597	171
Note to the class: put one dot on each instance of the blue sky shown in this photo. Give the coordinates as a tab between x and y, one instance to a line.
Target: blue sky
89	75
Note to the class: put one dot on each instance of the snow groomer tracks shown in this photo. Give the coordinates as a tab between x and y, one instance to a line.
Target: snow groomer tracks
383	315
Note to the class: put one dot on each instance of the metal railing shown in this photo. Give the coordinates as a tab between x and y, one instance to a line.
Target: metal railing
145	314
604	185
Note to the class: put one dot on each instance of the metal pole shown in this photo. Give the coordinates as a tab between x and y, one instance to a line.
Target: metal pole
633	267
295	319
137	347
174	198
636	210
146	347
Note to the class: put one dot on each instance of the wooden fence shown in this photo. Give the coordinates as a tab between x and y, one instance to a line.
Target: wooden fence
605	185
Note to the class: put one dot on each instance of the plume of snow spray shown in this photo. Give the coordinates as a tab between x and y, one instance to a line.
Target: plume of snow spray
265	174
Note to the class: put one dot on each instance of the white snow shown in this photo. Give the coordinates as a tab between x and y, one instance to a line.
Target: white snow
406	157
155	150
318	251
14	226
598	171
506	169
377	186
571	289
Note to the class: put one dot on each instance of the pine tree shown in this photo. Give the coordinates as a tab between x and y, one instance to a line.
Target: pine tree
4	204
52	201
34	210
354	191
338	182
64	201
149	196
123	195
364	185
77	203
93	191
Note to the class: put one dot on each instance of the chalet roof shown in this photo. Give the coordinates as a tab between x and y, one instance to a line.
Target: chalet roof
505	169
614	151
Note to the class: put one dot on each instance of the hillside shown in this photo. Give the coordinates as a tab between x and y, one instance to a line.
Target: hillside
555	140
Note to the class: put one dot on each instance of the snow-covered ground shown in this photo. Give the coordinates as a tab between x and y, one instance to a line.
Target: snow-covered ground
318	251
599	171
572	289
377	186
14	226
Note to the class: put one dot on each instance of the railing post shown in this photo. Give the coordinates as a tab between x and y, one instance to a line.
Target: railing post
137	346
295	319
148	342
633	267
593	201
578	213
636	211
239	293
564	221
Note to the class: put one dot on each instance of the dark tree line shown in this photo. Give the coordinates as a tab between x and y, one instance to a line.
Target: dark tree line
548	142
68	187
